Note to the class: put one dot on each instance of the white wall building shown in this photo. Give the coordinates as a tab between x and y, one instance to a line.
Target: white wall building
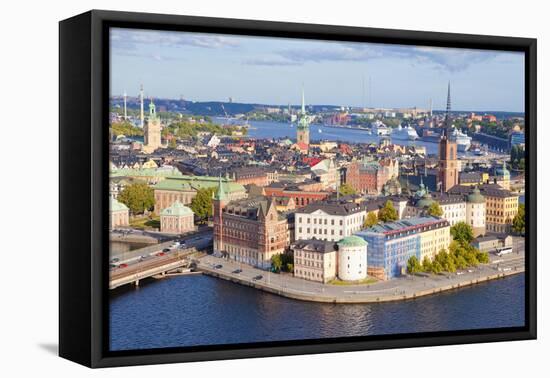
352	258
331	220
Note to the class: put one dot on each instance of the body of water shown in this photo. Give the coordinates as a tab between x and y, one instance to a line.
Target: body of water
202	310
269	129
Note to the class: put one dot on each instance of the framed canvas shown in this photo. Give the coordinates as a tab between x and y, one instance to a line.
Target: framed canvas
235	188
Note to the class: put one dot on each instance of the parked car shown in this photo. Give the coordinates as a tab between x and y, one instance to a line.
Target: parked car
219	266
160	254
258	277
237	271
166	250
123	265
116	259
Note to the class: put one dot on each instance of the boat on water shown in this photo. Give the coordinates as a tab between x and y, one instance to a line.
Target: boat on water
404	133
463	141
320	131
379	128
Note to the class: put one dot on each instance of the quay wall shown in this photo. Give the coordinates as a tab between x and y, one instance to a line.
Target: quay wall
353	298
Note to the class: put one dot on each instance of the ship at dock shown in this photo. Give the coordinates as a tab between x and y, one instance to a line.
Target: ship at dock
404	133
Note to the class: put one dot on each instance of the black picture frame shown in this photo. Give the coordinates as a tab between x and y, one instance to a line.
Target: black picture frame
83	162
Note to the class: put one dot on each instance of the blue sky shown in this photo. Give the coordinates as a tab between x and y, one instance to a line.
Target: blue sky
211	67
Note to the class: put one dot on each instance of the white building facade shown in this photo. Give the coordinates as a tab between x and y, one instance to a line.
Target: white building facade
352	259
330	221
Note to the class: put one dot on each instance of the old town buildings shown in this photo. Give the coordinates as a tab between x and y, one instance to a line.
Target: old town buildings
250	230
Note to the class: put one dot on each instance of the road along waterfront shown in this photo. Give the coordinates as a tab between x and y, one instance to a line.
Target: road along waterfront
403	288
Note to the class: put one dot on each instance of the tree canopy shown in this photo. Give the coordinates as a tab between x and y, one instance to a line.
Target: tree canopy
413	265
346	189
518	223
435	210
126	129
201	204
388	213
138	197
462	232
370	220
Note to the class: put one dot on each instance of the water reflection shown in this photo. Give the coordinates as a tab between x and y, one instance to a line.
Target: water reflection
201	310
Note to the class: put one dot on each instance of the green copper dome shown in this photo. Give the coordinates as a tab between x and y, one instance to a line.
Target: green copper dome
352	241
425	202
476	197
114	205
177	209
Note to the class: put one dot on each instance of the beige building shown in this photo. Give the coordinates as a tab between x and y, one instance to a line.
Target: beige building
469	207
501	206
118	214
327	173
315	260
177	219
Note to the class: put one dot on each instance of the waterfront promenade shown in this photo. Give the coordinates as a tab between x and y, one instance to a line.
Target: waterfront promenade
403	288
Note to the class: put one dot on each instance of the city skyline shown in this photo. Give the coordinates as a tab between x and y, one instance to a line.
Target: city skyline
209	67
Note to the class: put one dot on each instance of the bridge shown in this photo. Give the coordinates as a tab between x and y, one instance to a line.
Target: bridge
133	266
156	265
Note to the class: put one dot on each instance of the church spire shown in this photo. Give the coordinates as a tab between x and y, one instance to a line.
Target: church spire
448	112
220	192
303	101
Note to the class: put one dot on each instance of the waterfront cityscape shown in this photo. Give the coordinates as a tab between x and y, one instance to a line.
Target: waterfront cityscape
238	221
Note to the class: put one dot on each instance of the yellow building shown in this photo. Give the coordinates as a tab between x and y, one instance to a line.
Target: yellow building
434	239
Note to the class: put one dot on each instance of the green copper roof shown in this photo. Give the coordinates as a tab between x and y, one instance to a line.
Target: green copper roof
476	197
426	201
114	205
352	241
503	171
190	183
145	172
177	209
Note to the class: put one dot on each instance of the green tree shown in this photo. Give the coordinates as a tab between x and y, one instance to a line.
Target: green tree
290	267
126	129
346	189
518	223
413	265
387	213
426	264
172	143
482	257
370	220
138	197
436	267
462	232
435	210
201	204
276	262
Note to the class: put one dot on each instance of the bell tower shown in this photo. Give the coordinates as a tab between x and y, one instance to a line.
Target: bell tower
302	131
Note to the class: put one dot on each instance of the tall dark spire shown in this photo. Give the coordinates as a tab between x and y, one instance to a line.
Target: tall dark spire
448	124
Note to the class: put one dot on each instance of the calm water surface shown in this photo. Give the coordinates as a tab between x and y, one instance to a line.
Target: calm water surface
202	310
